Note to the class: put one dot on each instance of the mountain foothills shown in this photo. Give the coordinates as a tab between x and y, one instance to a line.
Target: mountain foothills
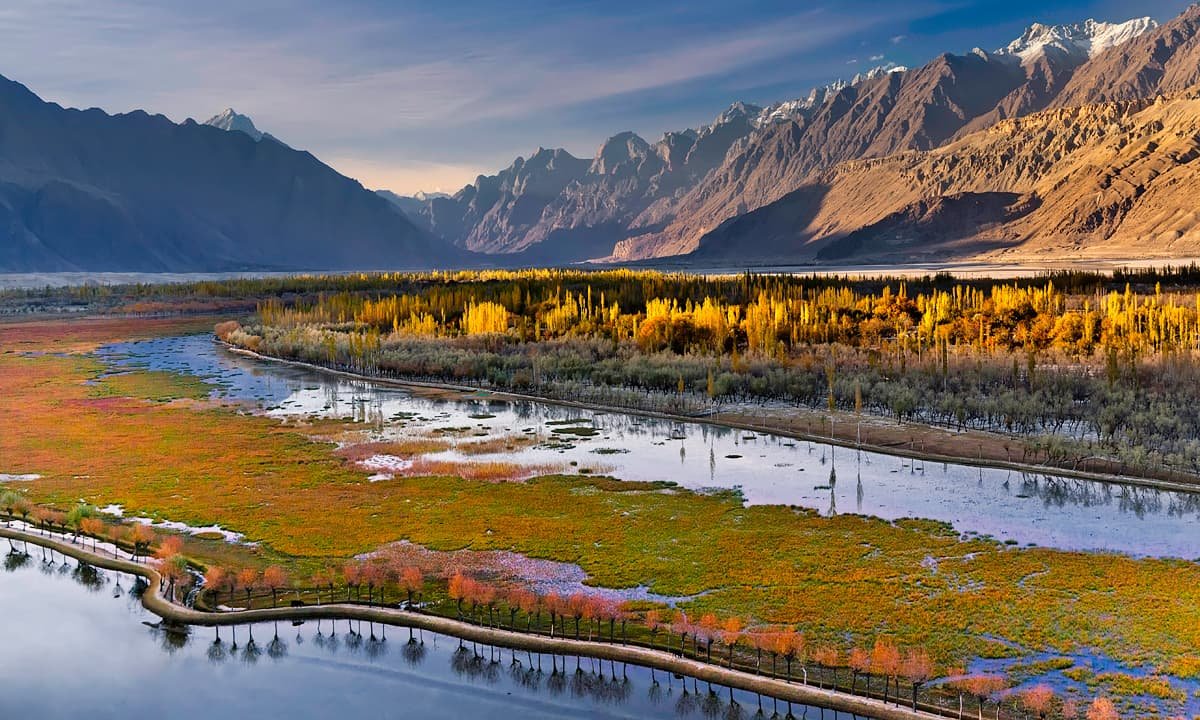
1072	140
753	185
84	190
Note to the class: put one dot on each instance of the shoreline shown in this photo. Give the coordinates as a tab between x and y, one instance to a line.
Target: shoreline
647	657
717	420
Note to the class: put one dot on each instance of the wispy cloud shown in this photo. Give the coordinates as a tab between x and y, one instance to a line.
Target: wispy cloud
443	88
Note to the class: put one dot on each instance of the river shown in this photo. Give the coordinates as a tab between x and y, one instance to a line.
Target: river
1017	508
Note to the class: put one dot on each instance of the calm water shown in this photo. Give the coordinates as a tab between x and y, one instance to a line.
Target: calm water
1036	509
86	652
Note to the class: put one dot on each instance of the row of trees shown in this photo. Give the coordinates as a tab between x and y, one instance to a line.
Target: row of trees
781	316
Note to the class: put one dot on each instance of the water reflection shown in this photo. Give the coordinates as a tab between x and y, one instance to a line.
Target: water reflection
67	636
1036	509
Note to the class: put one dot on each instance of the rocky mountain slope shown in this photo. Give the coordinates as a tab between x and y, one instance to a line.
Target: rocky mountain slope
920	109
1109	180
84	190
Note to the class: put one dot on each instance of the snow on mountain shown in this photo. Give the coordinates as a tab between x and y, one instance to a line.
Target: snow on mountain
230	119
791	109
1082	40
423	196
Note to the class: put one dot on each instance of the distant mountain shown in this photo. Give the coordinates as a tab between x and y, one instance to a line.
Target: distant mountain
84	190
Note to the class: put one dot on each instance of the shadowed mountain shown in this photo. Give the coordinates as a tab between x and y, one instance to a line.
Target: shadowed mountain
84	190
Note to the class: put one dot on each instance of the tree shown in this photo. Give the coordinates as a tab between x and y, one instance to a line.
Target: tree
653	624
917	668
140	536
885	661
576	604
215	577
274	579
175	571
412	581
731	633
319	580
352	573
170	546
554	603
981	687
1102	709
92	527
457	590
708	627
681	627
77	515
829	657
789	644
860	664
1038	700
247	579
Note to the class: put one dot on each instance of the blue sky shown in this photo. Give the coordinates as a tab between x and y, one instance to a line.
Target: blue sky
425	95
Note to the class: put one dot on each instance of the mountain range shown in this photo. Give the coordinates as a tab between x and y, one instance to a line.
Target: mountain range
753	186
1071	141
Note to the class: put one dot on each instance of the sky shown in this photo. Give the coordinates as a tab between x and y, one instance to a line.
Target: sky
414	96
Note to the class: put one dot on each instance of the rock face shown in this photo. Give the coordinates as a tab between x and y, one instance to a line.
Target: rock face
1110	180
84	190
563	209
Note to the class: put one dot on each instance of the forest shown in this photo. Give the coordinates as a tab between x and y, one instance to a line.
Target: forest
1072	366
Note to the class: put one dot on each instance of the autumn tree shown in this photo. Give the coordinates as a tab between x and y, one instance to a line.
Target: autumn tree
1038	700
214	578
653	623
412	581
1102	709
885	661
917	668
981	687
274	579
731	634
859	661
92	527
456	590
828	656
247	580
140	537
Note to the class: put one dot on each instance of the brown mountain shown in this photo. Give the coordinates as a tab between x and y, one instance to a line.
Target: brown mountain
1113	180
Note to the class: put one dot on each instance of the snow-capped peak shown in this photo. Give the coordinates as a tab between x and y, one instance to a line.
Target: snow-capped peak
791	109
1080	40
423	196
230	119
